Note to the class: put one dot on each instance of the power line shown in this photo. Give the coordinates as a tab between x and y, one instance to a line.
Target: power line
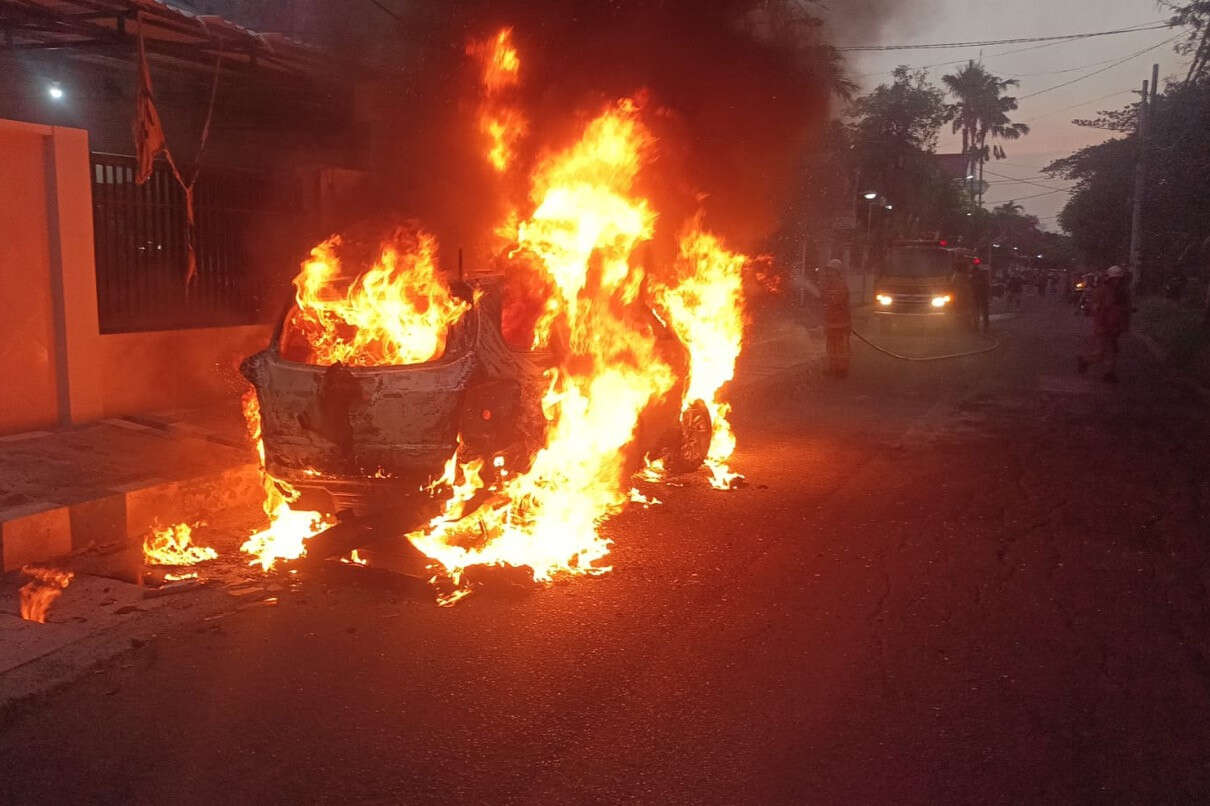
394	15
1151	26
1081	103
1057	72
1134	55
983	58
1034	196
1001	163
1024	181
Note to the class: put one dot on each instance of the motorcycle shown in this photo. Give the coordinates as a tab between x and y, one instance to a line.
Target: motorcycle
1082	291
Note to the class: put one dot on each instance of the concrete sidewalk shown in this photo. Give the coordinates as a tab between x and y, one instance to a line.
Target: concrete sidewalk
84	499
104	484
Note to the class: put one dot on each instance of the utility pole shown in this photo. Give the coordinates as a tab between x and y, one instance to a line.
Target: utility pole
1140	182
1146	105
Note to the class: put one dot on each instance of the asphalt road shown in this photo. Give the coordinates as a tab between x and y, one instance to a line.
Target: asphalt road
981	580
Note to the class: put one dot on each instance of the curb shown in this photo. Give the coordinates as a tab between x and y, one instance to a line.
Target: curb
44	531
47	530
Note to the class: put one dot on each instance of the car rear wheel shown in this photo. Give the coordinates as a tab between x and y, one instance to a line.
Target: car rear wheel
694	443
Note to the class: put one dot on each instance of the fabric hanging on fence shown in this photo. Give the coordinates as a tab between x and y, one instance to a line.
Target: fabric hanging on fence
148	132
150	141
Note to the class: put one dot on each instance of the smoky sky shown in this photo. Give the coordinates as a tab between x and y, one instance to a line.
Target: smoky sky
735	91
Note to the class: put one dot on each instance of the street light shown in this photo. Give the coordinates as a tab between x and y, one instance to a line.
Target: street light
871	197
55	91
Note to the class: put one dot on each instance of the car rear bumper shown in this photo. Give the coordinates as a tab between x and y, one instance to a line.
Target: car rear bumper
355	435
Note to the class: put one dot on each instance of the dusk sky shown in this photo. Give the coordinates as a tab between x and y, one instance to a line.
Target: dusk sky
1037	67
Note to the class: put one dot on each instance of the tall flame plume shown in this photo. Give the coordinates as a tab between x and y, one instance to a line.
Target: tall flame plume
706	309
501	122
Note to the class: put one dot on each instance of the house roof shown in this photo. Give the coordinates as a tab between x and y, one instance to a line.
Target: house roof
952	166
108	28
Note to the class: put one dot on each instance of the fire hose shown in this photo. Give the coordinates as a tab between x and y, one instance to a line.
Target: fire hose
994	346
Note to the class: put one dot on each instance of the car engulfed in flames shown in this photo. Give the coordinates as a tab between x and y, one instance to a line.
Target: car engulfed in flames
361	439
501	421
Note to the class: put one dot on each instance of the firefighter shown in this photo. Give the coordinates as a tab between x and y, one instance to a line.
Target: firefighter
833	291
1111	308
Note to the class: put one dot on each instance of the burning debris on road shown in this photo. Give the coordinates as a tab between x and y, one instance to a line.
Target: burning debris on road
37	595
173	546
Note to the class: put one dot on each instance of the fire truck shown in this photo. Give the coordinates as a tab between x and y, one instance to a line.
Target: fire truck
926	281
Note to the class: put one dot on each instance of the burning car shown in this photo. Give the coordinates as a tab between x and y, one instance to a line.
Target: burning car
361	439
501	422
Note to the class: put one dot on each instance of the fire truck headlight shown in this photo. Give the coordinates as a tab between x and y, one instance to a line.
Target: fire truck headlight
885	300
941	302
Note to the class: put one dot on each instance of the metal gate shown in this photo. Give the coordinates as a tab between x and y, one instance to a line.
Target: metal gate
140	240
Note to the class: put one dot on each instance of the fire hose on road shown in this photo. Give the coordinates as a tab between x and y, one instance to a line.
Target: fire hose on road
994	346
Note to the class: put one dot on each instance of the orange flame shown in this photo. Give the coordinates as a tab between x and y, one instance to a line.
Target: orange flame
288	530
581	236
396	312
501	64
502	123
37	595
583	212
172	545
706	309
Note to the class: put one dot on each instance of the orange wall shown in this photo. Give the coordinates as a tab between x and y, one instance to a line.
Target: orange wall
175	369
55	366
28	388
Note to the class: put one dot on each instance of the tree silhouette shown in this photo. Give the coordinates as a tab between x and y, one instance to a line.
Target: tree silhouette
981	111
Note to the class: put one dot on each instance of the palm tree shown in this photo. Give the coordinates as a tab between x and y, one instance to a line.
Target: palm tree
981	111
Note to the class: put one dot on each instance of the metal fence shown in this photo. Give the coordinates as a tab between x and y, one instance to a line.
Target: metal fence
140	239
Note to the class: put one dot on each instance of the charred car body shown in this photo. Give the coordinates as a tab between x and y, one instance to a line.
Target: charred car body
357	440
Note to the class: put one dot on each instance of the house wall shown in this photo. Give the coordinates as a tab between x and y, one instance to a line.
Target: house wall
175	369
28	388
57	368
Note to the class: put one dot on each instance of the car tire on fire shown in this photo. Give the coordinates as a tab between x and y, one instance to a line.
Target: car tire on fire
689	451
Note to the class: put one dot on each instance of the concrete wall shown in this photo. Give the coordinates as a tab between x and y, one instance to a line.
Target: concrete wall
57	367
46	277
29	391
175	369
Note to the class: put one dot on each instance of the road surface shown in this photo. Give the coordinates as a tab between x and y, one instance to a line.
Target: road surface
981	580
